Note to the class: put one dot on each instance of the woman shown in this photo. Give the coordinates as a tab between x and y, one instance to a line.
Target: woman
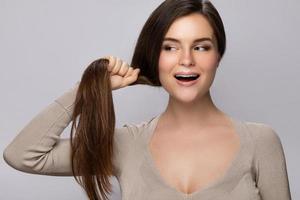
192	150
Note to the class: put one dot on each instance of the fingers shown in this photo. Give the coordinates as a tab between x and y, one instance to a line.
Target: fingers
112	62
118	66
124	69
129	72
131	78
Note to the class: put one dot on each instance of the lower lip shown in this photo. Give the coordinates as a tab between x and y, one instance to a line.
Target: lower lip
187	83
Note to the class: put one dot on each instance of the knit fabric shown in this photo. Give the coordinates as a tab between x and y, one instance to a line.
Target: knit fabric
257	172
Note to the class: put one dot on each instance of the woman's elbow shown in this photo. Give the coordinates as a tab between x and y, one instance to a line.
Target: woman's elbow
12	158
21	161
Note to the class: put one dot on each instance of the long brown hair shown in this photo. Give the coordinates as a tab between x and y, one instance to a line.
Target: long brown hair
93	118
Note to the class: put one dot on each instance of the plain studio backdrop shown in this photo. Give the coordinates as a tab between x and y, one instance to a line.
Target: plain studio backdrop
46	45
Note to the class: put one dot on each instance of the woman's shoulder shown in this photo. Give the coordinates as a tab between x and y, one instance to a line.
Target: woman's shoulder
265	137
261	130
135	130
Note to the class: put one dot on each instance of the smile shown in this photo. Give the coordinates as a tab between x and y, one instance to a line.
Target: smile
186	77
186	80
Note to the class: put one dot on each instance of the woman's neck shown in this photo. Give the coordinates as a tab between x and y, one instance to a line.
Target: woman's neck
201	113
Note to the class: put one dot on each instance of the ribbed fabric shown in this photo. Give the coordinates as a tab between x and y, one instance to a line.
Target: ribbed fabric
257	172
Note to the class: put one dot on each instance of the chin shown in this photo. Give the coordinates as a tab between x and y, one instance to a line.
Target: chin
186	97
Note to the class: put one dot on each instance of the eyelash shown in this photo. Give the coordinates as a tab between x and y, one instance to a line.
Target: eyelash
167	47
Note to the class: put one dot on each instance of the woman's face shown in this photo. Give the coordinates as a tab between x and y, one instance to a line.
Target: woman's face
188	47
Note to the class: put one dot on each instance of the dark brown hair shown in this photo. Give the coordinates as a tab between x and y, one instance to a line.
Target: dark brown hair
93	118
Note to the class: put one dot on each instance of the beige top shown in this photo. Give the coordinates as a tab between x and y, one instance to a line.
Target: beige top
258	172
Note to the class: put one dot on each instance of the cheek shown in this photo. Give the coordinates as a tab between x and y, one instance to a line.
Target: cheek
209	62
166	64
167	59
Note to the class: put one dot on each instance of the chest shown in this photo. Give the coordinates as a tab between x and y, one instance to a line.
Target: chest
190	162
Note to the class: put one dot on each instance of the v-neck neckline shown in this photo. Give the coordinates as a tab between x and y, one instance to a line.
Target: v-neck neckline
211	185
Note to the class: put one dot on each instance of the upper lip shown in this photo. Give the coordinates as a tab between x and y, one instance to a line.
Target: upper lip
186	73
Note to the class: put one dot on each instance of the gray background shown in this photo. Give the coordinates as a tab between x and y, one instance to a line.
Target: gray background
46	45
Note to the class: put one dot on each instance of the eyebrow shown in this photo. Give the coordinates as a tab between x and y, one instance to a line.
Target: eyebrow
196	40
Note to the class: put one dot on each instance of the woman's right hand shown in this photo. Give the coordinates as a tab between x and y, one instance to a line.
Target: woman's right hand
121	74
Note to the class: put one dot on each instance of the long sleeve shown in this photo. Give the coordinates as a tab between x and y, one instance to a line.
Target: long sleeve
38	148
271	172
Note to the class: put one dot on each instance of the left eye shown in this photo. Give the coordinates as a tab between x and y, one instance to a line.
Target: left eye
205	48
168	48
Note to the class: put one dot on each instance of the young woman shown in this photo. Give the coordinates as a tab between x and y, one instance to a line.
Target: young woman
192	150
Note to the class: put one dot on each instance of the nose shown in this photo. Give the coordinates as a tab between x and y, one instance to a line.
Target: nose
186	59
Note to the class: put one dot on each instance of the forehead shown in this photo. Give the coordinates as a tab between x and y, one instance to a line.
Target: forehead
190	27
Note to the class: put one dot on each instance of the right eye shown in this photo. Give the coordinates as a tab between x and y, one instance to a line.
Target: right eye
168	48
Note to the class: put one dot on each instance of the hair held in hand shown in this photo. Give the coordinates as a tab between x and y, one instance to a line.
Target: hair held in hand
93	124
